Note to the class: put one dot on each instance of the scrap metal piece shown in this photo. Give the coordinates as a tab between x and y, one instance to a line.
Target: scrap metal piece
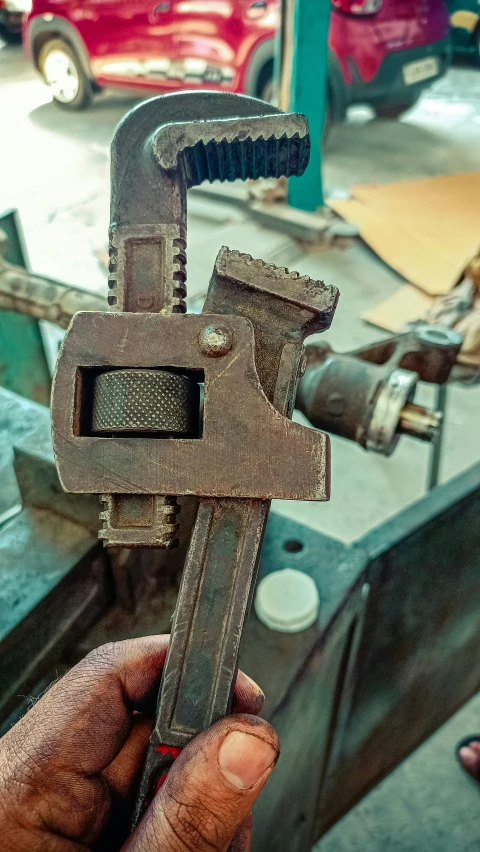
354	399
40	296
393	394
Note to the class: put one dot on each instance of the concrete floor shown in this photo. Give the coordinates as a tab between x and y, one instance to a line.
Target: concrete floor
54	168
428	804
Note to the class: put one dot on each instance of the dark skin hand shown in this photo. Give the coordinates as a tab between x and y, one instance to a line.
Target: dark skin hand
69	768
470	759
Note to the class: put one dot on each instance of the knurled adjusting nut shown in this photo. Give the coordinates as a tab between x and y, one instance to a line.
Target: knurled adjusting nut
215	340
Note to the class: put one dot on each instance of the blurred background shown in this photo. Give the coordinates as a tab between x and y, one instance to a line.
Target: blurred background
388	211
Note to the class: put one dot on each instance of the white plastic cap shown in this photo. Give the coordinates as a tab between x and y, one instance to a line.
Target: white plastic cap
287	601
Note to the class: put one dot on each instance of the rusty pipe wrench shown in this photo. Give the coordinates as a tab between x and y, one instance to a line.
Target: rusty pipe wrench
124	407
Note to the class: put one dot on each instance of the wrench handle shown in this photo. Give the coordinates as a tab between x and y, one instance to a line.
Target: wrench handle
213	603
159	760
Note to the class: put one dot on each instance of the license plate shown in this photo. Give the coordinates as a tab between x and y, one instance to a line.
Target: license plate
415	72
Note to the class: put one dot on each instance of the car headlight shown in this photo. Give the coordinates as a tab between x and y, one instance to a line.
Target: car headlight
19	5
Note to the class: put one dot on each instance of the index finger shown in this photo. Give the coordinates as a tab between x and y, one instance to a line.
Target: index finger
84	720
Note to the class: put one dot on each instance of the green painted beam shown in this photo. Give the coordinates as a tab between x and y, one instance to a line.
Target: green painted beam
23	362
308	92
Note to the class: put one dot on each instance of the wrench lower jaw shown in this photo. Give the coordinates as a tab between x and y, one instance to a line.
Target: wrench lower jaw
139	520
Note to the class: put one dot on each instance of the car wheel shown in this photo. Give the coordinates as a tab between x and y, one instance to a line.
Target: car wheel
386	110
9	36
63	75
264	88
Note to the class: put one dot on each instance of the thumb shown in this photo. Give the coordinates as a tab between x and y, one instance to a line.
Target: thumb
210	789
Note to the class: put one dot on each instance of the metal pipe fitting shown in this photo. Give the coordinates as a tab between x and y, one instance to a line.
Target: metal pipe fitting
419	422
394	392
371	404
41	296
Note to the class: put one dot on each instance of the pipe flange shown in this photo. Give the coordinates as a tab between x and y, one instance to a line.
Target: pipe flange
398	389
437	335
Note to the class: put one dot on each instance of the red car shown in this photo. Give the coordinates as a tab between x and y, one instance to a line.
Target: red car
381	52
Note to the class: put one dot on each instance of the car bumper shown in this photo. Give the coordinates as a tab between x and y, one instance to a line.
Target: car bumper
389	84
12	21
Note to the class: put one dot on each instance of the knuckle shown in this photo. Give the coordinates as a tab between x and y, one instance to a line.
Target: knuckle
196	826
105	656
22	757
20	782
77	808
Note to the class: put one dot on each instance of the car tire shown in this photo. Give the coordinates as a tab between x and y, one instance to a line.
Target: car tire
265	86
267	93
476	45
9	36
328	120
392	111
62	73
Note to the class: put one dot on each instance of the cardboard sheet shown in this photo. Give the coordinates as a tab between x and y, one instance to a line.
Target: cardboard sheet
407	304
425	229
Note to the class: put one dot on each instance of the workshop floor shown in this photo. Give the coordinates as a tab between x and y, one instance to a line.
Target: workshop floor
428	804
54	168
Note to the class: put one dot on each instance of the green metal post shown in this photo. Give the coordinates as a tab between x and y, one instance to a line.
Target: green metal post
302	57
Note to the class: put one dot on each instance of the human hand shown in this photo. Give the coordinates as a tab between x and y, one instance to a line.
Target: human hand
69	767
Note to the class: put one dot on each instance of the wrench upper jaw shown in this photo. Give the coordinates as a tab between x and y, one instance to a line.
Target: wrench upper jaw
213	135
162	148
223	149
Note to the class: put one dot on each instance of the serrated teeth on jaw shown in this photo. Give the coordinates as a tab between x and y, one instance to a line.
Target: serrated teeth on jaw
245	159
